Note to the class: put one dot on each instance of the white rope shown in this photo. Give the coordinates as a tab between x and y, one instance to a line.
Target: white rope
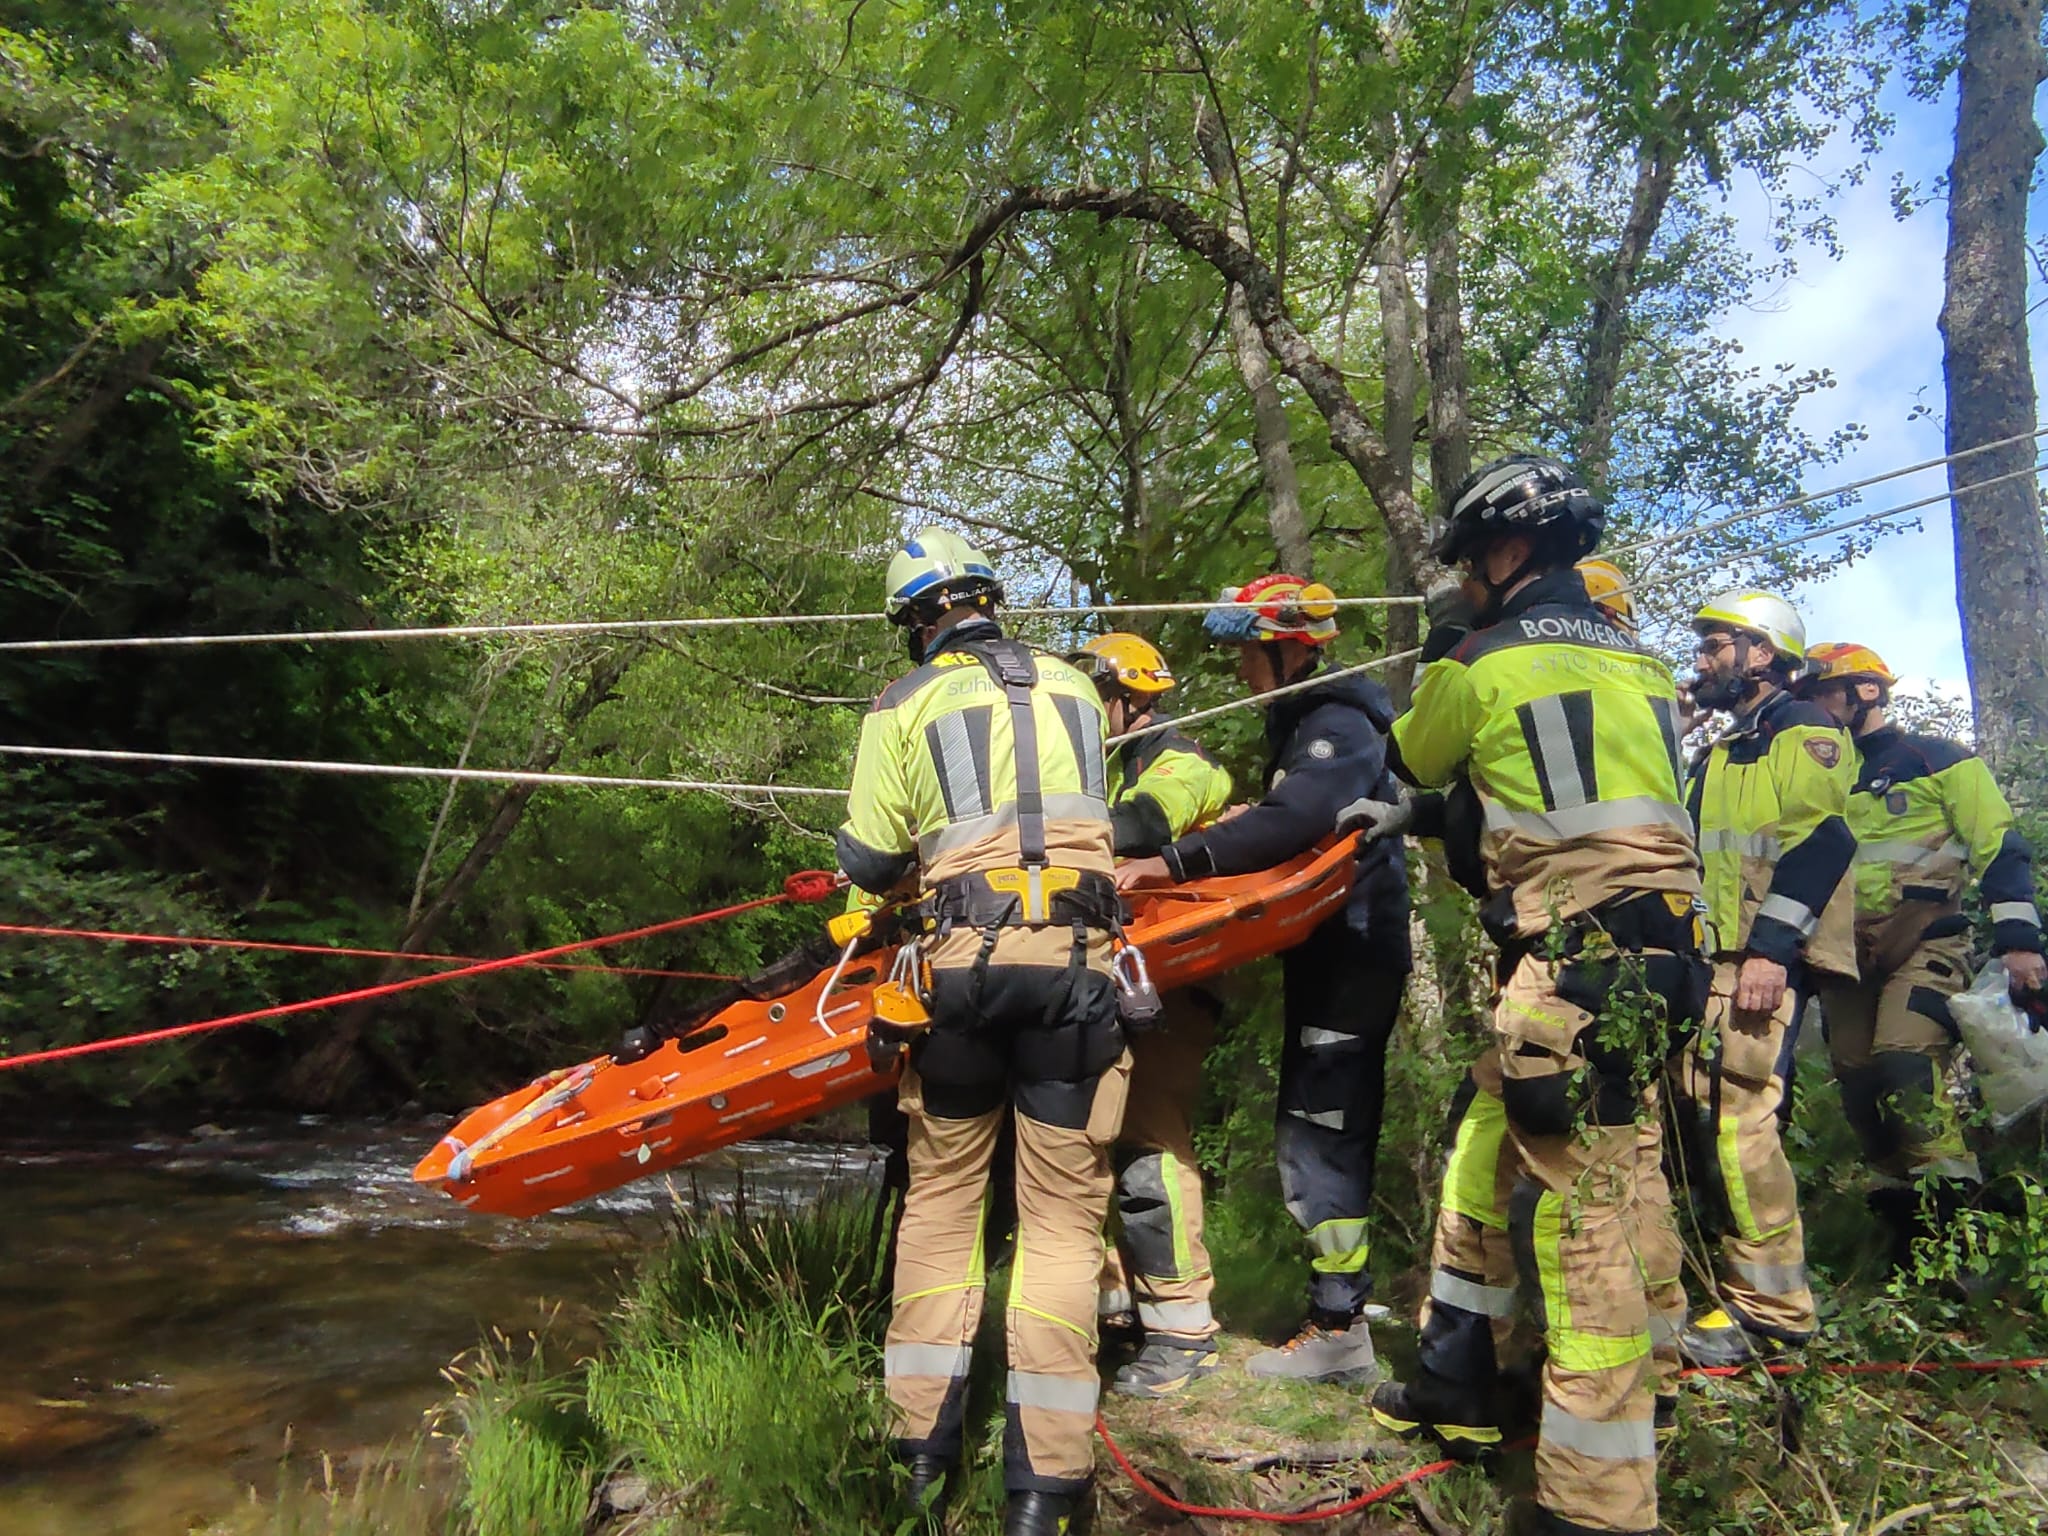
396	771
606	626
1680	535
1252	699
1844	527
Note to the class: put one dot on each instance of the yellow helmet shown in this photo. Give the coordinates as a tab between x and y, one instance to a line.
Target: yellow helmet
1845	661
1609	590
1125	661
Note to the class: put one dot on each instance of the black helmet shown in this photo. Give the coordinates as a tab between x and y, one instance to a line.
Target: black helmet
1522	493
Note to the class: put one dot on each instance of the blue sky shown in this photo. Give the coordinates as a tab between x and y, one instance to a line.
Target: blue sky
1870	317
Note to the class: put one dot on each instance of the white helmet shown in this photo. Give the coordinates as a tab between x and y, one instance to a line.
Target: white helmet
1757	613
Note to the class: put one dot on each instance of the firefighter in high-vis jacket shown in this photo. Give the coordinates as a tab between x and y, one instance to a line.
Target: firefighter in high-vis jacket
1162	784
1929	820
1770	797
1341	984
1568	733
981	775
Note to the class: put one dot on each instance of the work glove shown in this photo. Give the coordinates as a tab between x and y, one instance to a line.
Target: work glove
1451	617
1374	820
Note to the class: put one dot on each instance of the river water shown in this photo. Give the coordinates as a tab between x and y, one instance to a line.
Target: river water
227	1292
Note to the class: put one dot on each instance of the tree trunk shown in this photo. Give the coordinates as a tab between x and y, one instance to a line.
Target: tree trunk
2001	551
1400	394
326	1074
1271	438
1613	287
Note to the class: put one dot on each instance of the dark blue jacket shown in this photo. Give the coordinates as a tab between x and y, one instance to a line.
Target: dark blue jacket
1327	746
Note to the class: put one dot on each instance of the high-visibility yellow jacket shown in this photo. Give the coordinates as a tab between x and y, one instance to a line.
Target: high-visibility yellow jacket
1770	797
1928	819
935	777
1569	734
1161	786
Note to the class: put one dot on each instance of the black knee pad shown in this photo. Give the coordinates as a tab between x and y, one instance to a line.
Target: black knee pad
1930	1004
1542	1106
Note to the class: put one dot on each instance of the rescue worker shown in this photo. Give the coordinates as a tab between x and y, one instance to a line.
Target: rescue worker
1342	984
981	776
1770	799
1567	733
1610	592
1161	785
1928	819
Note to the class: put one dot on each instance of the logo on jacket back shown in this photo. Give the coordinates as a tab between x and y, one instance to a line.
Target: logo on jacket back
1584	631
1822	750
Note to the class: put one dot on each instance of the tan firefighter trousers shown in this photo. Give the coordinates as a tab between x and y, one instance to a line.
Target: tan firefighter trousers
1159	1264
1041	1044
1728	1088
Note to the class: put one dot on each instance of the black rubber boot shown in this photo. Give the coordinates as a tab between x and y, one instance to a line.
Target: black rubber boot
1049	1514
1462	1422
928	1472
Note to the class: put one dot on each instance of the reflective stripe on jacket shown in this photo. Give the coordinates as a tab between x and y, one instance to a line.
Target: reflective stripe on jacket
1569	734
935	778
1162	786
1928	818
1770	797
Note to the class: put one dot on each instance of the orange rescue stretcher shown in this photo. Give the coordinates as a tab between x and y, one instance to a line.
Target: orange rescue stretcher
759	1065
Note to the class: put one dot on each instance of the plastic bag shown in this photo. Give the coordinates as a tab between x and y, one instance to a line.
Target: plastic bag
2010	1057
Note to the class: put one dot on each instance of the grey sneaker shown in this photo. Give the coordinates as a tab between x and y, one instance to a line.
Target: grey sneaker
1322	1351
1166	1365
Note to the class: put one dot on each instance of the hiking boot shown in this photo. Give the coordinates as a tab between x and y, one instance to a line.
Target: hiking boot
1461	1425
1717	1339
1049	1514
929	1472
1326	1349
1166	1365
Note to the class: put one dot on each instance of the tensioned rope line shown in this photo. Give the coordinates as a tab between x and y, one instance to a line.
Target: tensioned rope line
401	771
507	776
337	951
1680	535
728	621
612	626
804	886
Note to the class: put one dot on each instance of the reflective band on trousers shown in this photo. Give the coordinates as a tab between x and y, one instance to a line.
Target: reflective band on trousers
1794	914
2015	912
1340	1246
1616	1440
1571	1349
1772	1279
1060	1394
1328	1119
1898	851
1109	1303
946	1360
1456	1291
1665	1327
1315	1037
1751	845
1585	820
1175	1316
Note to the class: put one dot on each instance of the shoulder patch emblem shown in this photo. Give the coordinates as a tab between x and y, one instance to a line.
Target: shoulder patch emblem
1321	750
1823	750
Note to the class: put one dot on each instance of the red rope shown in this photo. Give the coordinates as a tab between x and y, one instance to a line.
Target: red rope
1387	1490
268	946
808	885
1264	1516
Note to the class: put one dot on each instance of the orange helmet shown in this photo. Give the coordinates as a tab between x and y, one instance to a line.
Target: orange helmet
1277	607
1845	661
1609	590
1125	661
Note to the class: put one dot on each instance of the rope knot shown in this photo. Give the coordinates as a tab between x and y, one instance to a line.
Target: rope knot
810	885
